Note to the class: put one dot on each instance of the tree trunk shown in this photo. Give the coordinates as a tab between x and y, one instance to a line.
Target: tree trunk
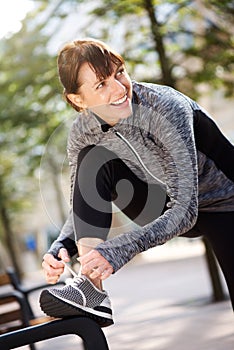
9	238
218	293
167	78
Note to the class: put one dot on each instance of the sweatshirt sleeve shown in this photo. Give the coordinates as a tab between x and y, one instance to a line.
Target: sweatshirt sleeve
172	130
211	142
66	239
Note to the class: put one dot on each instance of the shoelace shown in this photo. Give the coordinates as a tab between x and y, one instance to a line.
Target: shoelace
75	281
74	274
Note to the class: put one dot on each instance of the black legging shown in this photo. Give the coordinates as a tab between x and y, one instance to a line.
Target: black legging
103	178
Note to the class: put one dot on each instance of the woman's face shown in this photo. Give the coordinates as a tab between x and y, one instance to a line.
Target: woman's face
109	98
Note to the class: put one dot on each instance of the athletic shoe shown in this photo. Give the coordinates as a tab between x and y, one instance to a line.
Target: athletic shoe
80	297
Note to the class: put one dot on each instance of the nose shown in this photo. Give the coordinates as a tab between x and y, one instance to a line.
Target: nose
117	88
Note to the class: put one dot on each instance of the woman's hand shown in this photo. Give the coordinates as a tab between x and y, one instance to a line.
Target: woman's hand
95	265
54	268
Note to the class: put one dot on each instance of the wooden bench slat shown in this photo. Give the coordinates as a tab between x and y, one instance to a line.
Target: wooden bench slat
4	279
10	316
7	300
40	320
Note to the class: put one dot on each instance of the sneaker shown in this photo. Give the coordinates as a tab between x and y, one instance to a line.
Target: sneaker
80	297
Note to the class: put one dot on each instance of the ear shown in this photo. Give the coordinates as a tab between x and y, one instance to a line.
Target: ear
76	100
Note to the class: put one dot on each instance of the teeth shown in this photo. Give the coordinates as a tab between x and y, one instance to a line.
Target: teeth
123	99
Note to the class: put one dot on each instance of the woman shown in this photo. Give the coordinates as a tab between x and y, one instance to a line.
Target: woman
154	153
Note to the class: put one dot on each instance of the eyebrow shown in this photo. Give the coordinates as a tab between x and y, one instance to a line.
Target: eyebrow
98	81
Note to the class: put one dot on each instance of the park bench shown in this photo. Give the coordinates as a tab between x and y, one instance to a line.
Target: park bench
19	326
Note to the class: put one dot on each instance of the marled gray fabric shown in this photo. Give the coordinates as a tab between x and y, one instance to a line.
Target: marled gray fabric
161	132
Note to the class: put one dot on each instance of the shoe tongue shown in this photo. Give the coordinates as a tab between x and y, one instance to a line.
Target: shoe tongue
69	280
79	279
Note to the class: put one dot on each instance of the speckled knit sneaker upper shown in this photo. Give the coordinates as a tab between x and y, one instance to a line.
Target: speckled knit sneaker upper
80	297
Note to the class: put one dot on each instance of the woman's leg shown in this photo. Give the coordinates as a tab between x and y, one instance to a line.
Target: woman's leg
218	228
102	178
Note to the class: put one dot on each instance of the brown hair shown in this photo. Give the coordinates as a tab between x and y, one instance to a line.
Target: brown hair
72	56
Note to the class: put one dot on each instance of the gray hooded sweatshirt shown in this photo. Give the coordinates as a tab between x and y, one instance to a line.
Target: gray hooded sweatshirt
170	140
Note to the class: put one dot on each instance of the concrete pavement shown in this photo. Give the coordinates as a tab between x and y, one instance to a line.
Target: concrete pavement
166	306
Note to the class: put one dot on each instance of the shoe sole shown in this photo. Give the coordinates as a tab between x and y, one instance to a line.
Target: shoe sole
54	307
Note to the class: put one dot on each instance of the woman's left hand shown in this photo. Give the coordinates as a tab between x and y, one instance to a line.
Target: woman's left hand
95	265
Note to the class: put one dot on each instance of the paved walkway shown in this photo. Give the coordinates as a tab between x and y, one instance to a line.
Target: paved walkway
161	306
166	307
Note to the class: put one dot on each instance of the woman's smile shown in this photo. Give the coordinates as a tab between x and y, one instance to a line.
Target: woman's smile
120	101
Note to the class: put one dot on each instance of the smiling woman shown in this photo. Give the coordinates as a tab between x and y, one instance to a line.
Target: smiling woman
11	15
151	151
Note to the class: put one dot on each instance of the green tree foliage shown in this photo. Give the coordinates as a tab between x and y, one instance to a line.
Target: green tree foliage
31	109
181	43
222	7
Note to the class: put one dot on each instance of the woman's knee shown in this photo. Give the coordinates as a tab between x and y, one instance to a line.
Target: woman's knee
93	155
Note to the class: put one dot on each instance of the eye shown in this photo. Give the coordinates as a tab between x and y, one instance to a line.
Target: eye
99	86
120	71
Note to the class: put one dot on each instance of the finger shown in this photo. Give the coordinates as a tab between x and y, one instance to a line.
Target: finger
102	273
93	260
52	279
51	267
91	265
50	272
63	255
107	273
50	260
52	275
93	254
97	272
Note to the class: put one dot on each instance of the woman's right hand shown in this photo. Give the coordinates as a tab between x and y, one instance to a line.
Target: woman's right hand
54	268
